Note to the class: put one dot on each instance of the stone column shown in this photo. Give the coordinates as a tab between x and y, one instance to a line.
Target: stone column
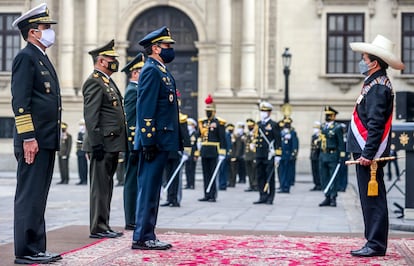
224	50
67	48
91	35
248	53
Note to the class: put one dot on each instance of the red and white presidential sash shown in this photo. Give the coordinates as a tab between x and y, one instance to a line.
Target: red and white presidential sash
358	128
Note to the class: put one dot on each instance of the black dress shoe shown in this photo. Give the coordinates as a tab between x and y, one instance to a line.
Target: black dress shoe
174	204
212	200
259	202
367	252
283	191
55	256
81	183
316	188
269	202
248	190
325	202
203	199
150	245
60	183
106	234
39	258
117	233
165	204
130	227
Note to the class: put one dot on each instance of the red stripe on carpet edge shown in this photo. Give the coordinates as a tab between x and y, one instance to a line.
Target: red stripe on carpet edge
87	246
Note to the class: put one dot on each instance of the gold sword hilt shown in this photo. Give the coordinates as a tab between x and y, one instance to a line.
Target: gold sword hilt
381	159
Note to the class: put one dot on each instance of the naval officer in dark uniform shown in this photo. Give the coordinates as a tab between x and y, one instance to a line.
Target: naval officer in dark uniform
105	136
157	133
268	153
213	147
36	104
132	69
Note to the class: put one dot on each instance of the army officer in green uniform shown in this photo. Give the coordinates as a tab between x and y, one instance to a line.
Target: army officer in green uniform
105	136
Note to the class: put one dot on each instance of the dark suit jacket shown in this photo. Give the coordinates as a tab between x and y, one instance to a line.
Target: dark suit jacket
35	99
104	114
157	109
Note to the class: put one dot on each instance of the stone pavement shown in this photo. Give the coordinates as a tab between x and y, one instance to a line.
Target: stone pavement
294	212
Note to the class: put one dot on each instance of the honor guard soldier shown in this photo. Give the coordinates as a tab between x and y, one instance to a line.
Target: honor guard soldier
314	156
37	107
268	152
132	69
250	154
190	164
212	134
105	136
225	170
332	155
81	154
157	133
290	146
174	195
64	154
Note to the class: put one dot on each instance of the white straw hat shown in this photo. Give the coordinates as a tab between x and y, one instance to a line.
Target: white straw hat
381	47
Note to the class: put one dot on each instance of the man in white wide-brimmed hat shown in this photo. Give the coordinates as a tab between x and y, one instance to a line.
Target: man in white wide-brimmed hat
369	138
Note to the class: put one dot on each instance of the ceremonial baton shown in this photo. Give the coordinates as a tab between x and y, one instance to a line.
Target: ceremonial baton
213	177
332	178
390	158
175	173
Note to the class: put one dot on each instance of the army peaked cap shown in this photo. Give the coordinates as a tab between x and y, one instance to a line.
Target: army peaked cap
136	63
107	50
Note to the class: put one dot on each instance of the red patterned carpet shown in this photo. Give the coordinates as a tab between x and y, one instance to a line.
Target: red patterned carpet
218	249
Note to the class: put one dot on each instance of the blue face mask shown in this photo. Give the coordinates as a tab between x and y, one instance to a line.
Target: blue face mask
363	67
167	55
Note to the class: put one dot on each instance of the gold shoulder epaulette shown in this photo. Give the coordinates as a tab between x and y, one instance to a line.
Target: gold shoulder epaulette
221	120
183	118
202	119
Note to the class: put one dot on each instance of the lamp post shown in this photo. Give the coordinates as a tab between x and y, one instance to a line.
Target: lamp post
286	57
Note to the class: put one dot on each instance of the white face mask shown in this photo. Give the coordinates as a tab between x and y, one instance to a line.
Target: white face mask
48	37
264	115
240	131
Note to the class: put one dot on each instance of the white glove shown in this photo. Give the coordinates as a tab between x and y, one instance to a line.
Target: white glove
221	157
199	145
184	157
252	146
277	160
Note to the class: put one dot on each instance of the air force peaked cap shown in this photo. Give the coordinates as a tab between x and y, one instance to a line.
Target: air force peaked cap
107	49
39	15
161	35
137	62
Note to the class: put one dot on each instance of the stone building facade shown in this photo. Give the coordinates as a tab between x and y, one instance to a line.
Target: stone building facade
231	49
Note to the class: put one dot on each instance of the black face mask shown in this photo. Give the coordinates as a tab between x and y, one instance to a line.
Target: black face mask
113	66
328	118
209	114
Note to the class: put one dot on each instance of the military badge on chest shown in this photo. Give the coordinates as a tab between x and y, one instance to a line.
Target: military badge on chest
47	86
213	126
